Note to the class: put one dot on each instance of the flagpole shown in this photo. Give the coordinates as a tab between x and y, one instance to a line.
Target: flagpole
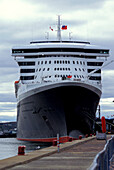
59	29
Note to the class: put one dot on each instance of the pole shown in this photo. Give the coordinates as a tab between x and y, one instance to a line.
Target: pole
59	29
58	142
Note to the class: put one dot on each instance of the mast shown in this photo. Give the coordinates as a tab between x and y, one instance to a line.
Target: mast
59	29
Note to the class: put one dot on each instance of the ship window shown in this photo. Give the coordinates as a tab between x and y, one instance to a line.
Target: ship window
57	62
60	62
90	70
95	78
26	63
81	62
48	69
40	50
43	69
55	69
41	62
49	62
69	69
68	62
79	69
27	70
73	62
75	69
77	62
45	62
65	62
40	69
60	68
54	62
26	77
38	62
94	63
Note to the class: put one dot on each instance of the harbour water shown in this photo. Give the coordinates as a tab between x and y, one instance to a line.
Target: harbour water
9	147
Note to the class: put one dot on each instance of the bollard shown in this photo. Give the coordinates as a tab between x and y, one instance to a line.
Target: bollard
80	137
86	135
70	139
21	150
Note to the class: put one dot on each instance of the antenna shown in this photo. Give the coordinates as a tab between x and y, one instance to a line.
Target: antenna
70	37
47	35
59	29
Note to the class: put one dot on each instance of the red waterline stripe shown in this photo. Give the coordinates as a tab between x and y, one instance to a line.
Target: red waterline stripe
61	139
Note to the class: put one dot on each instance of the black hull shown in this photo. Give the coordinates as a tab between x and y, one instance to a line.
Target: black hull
67	110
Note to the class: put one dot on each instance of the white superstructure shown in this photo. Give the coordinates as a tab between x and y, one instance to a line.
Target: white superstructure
45	61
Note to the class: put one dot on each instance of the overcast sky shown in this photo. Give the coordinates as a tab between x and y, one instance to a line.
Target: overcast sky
22	21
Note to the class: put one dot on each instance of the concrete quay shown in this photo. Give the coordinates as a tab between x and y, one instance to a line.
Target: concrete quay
78	155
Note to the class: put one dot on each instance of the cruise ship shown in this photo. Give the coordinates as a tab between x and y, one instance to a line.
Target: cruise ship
59	88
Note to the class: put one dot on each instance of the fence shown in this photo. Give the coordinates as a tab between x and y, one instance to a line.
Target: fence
102	159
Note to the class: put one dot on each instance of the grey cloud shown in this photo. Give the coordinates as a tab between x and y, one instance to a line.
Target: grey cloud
7	118
10	97
68	4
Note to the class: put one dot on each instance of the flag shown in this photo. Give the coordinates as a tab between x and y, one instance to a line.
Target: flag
51	28
64	27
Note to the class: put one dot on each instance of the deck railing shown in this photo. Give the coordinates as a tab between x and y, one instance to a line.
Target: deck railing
103	158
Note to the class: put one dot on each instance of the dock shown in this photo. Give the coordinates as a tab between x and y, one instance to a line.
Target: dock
78	155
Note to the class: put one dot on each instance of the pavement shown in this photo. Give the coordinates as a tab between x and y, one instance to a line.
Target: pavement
78	155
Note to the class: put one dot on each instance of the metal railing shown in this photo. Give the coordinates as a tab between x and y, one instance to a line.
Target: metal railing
102	159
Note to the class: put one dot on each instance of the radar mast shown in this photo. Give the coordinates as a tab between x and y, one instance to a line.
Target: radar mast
59	29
